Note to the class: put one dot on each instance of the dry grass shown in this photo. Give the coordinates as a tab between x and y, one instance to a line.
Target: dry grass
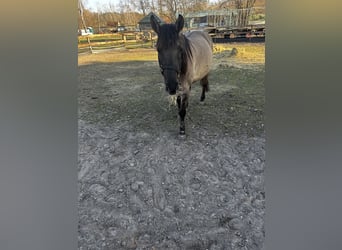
119	56
246	54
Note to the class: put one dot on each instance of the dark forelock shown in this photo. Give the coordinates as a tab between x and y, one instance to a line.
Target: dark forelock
168	36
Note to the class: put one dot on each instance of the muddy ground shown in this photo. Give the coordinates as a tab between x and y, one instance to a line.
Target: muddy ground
141	186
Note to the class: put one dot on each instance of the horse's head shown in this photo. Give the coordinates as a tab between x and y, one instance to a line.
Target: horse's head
170	49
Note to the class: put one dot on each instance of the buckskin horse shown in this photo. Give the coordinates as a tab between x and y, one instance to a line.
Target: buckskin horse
183	59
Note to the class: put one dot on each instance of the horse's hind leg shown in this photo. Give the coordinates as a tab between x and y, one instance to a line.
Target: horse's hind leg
205	87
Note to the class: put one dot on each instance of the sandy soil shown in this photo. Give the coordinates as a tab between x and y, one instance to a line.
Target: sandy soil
141	186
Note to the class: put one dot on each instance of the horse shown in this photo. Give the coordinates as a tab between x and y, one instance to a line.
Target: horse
184	58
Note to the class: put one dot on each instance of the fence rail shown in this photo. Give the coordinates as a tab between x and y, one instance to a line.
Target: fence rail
104	42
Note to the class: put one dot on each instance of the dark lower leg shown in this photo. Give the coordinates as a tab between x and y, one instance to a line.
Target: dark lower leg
202	95
182	112
179	102
205	87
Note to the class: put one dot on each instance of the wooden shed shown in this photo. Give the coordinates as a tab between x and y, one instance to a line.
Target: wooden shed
144	23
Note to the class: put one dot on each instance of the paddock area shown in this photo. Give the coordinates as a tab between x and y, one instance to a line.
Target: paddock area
141	186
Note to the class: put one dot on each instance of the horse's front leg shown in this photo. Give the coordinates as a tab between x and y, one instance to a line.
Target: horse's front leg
182	102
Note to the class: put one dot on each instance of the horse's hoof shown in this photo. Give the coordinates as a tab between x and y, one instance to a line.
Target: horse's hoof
181	136
181	132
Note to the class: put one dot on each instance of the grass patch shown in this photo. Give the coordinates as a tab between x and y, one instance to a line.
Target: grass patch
248	53
125	55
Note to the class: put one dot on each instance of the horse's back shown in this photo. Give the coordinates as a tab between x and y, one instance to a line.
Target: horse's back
199	36
202	53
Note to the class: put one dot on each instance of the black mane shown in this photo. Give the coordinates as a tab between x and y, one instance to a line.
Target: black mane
168	37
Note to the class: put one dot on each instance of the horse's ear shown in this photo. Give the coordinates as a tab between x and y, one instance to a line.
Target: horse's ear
154	23
179	23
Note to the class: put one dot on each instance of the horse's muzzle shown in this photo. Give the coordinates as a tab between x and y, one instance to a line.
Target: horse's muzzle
171	91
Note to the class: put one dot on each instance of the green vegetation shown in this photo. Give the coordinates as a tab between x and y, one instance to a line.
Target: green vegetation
256	17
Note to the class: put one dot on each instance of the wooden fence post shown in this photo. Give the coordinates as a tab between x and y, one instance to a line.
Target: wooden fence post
89	43
150	38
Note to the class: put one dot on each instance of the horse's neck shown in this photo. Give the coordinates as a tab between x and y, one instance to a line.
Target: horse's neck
186	54
186	42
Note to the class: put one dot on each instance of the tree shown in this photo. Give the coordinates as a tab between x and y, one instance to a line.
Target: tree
80	9
143	5
171	8
81	22
244	7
